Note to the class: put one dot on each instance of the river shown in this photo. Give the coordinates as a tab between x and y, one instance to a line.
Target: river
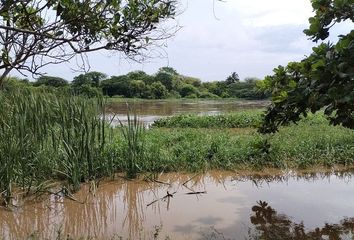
151	110
214	205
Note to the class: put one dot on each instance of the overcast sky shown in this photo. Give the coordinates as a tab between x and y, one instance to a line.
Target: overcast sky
248	37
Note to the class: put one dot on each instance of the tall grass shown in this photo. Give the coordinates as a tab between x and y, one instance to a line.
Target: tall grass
81	138
133	134
46	135
239	119
200	149
50	136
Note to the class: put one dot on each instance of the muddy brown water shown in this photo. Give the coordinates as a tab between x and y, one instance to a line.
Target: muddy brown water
216	205
151	110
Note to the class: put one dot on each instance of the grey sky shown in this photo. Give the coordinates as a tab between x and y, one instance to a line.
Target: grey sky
249	37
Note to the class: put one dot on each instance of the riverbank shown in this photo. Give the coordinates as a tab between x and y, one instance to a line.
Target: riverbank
49	138
311	142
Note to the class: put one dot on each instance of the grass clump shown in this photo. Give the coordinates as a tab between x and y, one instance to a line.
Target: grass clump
196	149
133	136
240	119
46	136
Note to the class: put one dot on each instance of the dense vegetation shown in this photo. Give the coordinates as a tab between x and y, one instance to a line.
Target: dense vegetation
323	80
251	118
51	136
48	136
55	130
166	83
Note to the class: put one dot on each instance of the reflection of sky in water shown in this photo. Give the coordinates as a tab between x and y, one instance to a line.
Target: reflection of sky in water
128	208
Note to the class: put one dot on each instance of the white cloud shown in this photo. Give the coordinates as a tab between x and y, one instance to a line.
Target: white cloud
250	37
272	12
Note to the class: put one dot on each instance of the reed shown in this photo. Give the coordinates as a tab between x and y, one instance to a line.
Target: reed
133	135
49	135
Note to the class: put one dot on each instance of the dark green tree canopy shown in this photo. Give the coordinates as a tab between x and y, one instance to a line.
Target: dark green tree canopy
188	90
40	32
324	80
169	70
233	78
51	81
92	79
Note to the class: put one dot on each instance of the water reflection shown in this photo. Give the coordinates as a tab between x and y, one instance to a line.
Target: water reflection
269	224
293	206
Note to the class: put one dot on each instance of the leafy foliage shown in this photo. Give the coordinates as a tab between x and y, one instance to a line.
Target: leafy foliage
325	79
241	119
233	78
91	78
51	81
166	83
36	33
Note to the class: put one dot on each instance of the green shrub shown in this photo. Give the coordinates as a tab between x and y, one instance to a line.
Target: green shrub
233	120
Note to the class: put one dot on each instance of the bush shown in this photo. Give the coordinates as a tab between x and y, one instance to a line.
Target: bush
188	90
208	95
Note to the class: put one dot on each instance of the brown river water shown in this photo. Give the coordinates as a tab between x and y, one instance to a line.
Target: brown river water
215	205
151	110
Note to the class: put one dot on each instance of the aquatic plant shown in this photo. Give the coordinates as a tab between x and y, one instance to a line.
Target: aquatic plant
47	135
133	135
239	119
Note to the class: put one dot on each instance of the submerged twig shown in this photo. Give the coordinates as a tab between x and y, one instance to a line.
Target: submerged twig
168	196
192	193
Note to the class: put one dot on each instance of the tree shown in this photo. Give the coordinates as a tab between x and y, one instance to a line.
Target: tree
169	70
138	88
92	79
140	75
325	79
51	81
167	79
196	82
245	89
158	90
188	90
88	91
41	32
233	78
116	85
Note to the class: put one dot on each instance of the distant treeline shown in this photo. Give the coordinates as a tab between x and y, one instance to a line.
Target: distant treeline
166	83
